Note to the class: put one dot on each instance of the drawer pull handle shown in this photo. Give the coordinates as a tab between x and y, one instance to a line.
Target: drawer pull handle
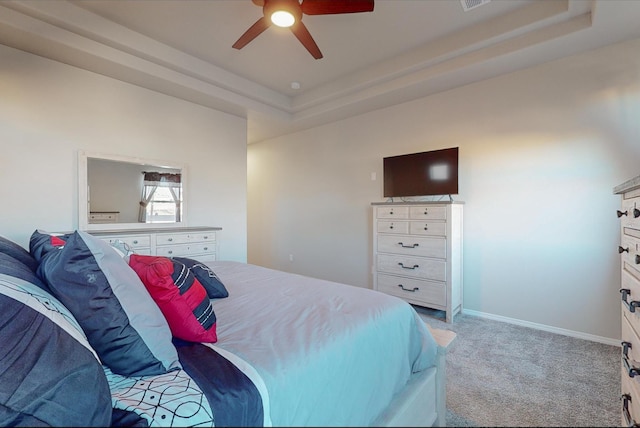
406	289
426	212
206	248
622	250
170	239
630	305
170	252
426	227
636	213
631	371
407	267
637	259
135	241
407	246
626	399
205	237
620	213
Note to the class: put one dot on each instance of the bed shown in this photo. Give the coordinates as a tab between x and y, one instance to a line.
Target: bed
287	350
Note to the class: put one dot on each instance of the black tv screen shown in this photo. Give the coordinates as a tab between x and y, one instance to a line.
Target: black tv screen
421	174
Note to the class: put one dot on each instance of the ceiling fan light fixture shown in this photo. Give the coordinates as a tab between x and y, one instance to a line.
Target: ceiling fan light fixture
283	18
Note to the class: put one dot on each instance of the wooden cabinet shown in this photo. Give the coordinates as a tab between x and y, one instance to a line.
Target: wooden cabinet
199	243
417	253
629	250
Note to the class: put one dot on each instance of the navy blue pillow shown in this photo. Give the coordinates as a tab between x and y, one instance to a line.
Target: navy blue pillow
122	322
47	376
209	280
17	252
41	243
14	267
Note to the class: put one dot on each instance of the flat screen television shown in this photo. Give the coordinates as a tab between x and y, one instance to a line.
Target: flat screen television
421	174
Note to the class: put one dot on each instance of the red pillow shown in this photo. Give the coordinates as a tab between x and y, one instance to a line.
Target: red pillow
179	295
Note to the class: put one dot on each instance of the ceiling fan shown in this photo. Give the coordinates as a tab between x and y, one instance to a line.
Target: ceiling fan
288	13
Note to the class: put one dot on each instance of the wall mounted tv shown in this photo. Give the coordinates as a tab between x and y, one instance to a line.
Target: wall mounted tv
421	174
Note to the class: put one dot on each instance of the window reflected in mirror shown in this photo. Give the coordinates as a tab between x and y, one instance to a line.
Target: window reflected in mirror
161	197
123	192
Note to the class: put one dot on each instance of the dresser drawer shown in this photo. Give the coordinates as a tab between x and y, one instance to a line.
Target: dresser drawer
630	337
428	212
172	238
183	238
414	267
426	292
630	401
630	297
203	237
629	250
185	250
428	228
392	212
629	213
100	217
630	369
390	226
138	243
413	245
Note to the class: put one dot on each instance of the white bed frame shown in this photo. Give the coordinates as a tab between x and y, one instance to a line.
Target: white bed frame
423	402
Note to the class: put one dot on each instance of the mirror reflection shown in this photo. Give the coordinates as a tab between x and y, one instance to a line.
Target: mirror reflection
123	192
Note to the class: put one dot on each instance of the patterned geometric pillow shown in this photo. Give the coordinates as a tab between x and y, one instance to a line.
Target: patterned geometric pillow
121	320
180	296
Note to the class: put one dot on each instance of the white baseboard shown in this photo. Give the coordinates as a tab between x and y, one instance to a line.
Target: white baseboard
570	333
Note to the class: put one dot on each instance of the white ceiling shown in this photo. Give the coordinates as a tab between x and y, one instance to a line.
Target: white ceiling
403	50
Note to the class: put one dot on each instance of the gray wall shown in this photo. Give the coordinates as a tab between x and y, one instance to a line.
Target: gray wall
49	111
540	152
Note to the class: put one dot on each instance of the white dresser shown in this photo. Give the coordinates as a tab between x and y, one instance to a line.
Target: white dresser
417	253
629	250
199	243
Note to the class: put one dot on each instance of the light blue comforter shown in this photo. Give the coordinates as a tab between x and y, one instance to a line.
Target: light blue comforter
329	354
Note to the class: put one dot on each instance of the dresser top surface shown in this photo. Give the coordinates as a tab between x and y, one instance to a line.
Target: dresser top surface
154	230
627	185
419	203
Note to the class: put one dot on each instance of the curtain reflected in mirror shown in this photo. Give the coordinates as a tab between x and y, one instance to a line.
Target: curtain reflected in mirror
124	192
161	197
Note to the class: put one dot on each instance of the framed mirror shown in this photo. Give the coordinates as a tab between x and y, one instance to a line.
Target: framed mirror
119	192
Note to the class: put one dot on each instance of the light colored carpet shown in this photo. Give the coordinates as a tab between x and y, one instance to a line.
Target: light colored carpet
500	374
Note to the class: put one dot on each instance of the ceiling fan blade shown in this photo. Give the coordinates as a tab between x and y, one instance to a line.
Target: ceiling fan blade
301	32
326	7
254	31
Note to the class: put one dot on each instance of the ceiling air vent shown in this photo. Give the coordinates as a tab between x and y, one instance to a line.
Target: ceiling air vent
467	5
